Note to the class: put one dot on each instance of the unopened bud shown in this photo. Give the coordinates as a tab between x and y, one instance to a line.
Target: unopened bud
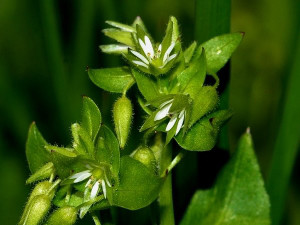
145	156
122	114
37	210
65	215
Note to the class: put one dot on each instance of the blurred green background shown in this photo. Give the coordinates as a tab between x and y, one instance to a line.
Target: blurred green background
46	45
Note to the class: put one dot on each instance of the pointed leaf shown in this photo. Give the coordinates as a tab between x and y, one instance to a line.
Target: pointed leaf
112	79
43	173
82	143
91	117
238	197
120	36
188	53
37	155
121	26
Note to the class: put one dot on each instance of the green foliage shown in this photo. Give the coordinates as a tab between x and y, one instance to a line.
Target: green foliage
36	153
112	79
238	197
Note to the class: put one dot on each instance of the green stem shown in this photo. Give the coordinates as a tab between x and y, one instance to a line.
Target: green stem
165	197
174	162
96	219
287	143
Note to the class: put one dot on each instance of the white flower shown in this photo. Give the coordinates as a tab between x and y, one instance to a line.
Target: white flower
93	182
150	54
164	112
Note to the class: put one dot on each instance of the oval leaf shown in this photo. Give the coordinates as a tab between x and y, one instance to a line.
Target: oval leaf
112	79
138	187
219	49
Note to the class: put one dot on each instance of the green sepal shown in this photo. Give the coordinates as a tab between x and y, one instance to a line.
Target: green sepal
36	154
139	186
189	52
61	199
146	85
238	197
91	117
65	215
68	152
204	102
219	49
120	36
44	172
139	21
82	142
146	156
107	150
115	79
203	134
121	26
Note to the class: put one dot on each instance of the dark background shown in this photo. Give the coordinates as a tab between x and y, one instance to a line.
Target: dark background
42	79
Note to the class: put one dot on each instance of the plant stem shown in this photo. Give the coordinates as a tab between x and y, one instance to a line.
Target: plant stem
96	219
287	143
165	200
174	162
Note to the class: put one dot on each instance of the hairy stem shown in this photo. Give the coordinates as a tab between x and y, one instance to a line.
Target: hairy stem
165	201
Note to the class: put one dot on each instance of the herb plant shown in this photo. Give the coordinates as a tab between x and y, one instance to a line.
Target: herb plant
180	104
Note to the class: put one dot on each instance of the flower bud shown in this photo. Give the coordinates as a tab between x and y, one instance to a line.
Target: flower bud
145	156
122	114
40	189
37	210
65	215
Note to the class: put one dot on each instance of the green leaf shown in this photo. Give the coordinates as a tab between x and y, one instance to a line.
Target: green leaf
191	79
146	85
112	79
120	36
60	200
203	134
219	49
121	26
204	102
107	149
91	117
188	53
43	173
114	49
238	197
37	155
138	187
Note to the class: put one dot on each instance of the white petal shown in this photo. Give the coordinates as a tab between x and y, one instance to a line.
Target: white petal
180	122
82	177
170	58
159	48
78	174
140	63
142	44
171	122
149	46
107	181
88	183
169	50
163	104
140	56
163	112
95	189
103	188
